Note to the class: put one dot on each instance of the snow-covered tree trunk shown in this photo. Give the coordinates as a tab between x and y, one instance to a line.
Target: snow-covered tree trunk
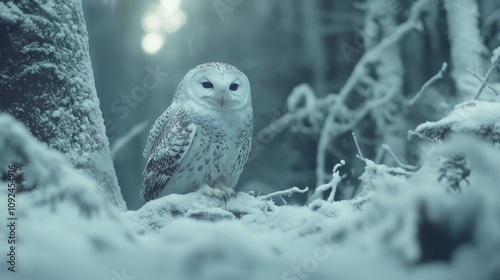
46	82
467	48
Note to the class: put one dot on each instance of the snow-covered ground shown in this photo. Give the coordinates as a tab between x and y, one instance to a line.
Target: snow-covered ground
402	225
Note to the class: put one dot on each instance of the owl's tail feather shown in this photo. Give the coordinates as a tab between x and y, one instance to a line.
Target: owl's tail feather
153	185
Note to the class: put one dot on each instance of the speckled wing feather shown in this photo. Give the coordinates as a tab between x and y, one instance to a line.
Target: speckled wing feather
167	152
156	129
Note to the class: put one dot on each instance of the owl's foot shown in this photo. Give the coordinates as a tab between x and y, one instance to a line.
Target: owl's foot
218	191
228	191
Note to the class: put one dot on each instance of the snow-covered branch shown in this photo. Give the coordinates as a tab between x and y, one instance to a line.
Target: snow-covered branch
332	185
287	192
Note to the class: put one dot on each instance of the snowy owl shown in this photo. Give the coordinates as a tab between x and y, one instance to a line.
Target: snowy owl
202	140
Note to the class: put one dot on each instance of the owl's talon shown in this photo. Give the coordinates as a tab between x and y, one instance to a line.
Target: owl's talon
219	191
230	193
213	192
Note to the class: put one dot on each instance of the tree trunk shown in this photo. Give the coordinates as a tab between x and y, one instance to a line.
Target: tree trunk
46	82
467	48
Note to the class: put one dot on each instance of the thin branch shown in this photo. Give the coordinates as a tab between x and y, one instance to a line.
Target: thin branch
486	78
357	145
427	84
287	192
125	139
333	184
336	178
482	79
386	148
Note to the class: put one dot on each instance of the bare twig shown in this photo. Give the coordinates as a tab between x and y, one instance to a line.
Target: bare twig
386	148
360	154
124	140
482	79
427	84
287	192
336	178
486	77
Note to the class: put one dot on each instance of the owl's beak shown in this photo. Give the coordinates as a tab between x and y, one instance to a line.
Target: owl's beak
221	99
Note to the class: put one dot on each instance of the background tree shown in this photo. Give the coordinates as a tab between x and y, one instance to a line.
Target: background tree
280	45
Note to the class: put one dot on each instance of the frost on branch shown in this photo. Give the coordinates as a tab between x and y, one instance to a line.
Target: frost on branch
332	185
477	117
481	118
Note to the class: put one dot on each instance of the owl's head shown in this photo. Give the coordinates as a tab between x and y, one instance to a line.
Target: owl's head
219	86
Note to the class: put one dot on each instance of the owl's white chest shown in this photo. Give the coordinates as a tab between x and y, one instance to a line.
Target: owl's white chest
218	151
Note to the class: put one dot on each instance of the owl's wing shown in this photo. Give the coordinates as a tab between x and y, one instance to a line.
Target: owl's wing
156	129
166	154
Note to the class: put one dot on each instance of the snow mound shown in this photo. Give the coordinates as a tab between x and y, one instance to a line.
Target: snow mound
402	227
479	117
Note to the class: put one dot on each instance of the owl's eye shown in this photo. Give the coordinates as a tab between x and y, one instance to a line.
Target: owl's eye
207	85
233	87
